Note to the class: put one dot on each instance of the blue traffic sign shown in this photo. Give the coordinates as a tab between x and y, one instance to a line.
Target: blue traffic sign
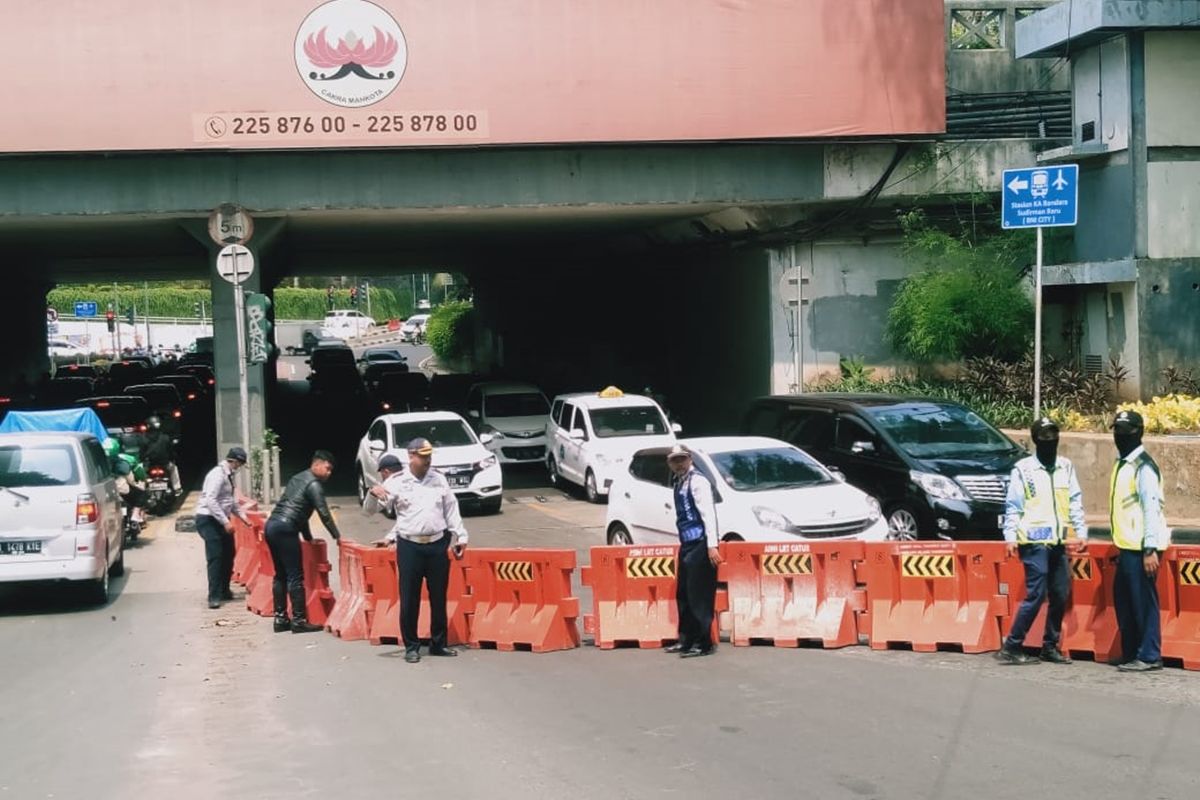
85	308
1041	197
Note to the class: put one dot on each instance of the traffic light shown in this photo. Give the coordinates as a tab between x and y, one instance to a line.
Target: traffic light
363	288
196	309
111	319
129	316
329	297
353	295
260	344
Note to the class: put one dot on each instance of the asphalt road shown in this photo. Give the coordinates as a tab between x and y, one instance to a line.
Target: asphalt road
157	696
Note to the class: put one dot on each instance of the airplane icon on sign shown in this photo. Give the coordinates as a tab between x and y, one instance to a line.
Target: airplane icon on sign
1060	182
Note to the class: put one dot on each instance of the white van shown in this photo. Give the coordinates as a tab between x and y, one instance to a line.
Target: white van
346	323
591	437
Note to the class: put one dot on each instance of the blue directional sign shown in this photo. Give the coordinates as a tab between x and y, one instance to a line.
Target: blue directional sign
85	308
1041	197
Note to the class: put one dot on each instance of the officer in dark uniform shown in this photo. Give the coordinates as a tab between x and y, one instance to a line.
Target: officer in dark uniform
302	495
696	581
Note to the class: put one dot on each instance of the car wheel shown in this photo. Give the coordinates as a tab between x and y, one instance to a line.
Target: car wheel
118	567
552	468
590	489
619	536
362	485
97	590
902	524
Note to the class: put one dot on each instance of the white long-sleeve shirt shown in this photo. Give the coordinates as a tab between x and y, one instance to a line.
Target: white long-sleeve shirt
1014	504
1157	535
424	508
217	499
702	496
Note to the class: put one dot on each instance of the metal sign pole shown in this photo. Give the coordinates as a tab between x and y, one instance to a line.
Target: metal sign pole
1037	331
239	311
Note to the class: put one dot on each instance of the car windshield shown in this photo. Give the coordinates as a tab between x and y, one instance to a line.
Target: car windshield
627	421
441	433
115	414
768	468
929	430
43	465
530	404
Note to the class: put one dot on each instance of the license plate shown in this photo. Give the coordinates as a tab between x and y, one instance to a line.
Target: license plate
19	548
158	486
460	481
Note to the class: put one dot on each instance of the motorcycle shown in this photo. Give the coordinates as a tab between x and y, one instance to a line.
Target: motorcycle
160	494
133	525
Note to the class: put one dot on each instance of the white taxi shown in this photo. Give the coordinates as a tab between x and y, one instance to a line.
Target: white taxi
591	437
765	491
460	455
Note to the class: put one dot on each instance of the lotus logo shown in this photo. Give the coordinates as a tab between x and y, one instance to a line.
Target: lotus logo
350	53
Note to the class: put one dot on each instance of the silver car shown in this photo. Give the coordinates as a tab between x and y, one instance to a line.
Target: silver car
60	515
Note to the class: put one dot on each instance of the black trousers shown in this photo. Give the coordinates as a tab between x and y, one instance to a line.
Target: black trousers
1046	578
283	540
429	562
218	552
695	594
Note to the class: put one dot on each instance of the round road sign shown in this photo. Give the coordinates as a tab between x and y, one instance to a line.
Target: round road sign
51	315
230	224
235	255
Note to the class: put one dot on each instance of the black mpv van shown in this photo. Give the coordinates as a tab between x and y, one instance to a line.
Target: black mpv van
938	469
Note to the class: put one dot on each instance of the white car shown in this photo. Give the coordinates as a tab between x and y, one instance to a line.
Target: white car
460	455
347	323
515	415
414	327
591	437
62	517
765	491
62	351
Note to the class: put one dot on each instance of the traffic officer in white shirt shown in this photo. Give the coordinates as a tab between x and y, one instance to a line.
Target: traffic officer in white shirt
427	532
217	504
696	579
1139	530
1043	498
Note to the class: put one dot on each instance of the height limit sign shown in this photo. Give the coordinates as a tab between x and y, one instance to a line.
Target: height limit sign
1042	197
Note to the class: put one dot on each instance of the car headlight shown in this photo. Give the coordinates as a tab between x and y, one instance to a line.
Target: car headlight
490	461
770	518
938	486
874	512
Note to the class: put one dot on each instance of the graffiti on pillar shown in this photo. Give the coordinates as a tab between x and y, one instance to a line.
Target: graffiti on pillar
258	328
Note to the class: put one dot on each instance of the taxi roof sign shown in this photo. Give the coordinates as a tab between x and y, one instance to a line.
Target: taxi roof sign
611	391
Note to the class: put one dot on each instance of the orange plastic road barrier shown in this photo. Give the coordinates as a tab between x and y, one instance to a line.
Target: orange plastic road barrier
385	621
318	596
789	593
1179	599
393	325
522	599
933	595
350	618
245	559
1089	623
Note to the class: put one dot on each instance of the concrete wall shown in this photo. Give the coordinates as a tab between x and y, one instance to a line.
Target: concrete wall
998	70
1173	206
1172	89
849	291
1106	199
1168	297
1093	455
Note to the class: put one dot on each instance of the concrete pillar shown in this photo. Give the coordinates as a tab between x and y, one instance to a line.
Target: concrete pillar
25	355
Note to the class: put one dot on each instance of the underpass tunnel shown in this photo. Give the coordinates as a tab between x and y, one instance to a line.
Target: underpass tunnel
691	323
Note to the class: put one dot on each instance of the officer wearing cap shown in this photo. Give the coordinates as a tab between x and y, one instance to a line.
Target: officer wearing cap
1139	530
388	466
217	505
302	495
696	582
428	530
1043	497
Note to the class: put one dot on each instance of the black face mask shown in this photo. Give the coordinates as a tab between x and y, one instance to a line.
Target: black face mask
1127	442
1047	452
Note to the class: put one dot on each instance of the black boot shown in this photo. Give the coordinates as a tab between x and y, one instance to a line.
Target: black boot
300	624
282	623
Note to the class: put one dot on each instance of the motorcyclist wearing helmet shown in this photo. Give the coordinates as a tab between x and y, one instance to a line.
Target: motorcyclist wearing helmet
160	450
131	478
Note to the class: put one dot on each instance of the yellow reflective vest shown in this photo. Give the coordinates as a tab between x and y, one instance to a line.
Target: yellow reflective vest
1126	506
1046	518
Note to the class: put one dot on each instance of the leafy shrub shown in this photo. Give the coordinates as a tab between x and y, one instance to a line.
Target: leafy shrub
451	331
1175	413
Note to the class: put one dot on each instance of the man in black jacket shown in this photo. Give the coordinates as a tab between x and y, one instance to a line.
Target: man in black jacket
302	495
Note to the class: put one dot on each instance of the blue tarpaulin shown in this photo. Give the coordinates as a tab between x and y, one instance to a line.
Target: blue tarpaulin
83	420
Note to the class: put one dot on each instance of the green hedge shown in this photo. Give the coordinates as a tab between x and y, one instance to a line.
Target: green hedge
176	301
451	331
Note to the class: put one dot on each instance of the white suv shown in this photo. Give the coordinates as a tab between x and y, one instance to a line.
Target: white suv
62	516
516	415
592	436
346	323
460	455
765	491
